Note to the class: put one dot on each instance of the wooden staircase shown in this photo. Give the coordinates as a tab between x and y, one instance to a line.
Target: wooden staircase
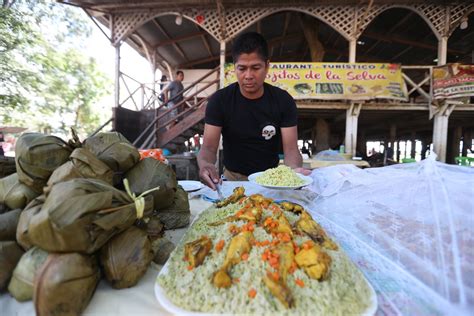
171	133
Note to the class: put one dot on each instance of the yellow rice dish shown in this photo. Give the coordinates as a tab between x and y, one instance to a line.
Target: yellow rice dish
282	176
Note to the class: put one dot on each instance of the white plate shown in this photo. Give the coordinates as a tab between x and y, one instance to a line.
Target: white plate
162	298
190	185
307	181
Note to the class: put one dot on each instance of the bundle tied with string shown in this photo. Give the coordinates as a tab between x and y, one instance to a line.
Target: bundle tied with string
81	215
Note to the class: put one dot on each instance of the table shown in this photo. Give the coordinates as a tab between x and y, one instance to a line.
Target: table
313	163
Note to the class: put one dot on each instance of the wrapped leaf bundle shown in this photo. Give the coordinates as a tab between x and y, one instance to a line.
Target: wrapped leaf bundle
151	173
10	254
31	209
178	214
21	284
65	284
114	150
8	225
37	156
81	215
15	194
82	164
162	248
126	257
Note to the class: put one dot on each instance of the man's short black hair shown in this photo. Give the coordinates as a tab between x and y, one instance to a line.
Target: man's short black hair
248	43
179	72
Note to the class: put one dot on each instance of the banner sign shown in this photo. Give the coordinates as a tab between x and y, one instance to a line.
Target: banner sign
334	81
453	81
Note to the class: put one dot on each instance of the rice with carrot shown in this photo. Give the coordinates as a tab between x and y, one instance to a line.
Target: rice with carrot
344	292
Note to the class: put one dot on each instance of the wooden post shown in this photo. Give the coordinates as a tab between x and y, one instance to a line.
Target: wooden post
413	145
321	132
222	64
440	135
466	141
442	50
117	75
423	148
352	50
398	150
455	143
352	115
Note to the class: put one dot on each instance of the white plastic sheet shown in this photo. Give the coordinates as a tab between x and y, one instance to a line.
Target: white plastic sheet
409	227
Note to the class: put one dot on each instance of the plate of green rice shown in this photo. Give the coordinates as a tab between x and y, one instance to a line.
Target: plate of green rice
191	292
280	178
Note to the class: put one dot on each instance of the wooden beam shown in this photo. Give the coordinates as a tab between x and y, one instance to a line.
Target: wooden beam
285	29
204	39
180	38
202	61
178	49
394	58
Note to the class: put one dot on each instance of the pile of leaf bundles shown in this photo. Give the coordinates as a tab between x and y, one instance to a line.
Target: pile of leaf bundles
178	213
65	284
151	173
21	284
82	164
8	224
81	215
37	156
114	150
126	257
15	194
22	228
10	254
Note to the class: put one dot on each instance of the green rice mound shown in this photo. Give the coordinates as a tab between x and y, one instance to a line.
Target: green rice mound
344	292
281	176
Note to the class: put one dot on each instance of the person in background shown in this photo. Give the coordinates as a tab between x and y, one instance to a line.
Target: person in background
162	86
255	119
174	89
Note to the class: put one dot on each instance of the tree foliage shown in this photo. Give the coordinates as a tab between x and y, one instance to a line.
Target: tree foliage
47	80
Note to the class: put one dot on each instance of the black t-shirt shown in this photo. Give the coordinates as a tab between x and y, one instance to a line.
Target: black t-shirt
251	128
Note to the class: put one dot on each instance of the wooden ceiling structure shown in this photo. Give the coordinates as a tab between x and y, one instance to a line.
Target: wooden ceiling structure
198	34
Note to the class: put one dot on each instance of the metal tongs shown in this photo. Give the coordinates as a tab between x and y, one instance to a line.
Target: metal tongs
219	190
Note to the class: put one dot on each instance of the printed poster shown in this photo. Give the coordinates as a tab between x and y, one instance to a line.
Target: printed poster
453	81
334	81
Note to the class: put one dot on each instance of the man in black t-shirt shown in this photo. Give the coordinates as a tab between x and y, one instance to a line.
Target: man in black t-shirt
255	118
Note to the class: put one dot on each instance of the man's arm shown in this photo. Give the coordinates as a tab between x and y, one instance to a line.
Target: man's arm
208	155
289	137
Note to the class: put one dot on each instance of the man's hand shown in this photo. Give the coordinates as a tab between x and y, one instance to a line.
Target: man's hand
209	175
303	171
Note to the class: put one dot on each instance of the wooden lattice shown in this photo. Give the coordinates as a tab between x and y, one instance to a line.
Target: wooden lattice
340	17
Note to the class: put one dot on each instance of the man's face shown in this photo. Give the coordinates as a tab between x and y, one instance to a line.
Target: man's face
251	71
180	77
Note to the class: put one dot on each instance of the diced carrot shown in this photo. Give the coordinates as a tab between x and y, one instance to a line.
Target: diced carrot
252	293
308	244
220	245
299	282
273	261
189	267
265	256
245	256
286	237
275	276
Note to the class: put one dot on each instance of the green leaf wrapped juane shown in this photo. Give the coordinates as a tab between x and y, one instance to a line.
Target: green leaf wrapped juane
10	254
126	257
37	156
8	225
81	215
178	213
65	284
15	194
22	281
114	150
151	173
31	209
82	164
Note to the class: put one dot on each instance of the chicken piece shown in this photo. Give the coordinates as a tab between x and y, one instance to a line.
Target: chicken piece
280	291
278	288
315	262
260	200
196	251
283	226
239	245
307	225
249	213
291	207
238	193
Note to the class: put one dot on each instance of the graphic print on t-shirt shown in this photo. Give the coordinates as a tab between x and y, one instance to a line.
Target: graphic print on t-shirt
268	131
